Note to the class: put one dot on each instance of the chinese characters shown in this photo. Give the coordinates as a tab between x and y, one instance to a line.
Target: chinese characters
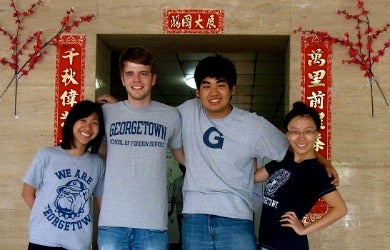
316	86
68	97
69	78
193	21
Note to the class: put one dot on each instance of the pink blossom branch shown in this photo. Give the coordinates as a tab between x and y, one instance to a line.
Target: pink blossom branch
360	52
35	41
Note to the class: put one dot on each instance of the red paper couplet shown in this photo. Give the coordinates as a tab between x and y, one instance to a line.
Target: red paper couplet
316	68
70	67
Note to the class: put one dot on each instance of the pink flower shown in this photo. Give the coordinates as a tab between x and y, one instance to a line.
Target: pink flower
360	4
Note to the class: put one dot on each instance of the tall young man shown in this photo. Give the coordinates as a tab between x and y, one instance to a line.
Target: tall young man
138	133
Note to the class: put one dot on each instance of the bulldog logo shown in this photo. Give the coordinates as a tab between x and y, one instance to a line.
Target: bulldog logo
71	199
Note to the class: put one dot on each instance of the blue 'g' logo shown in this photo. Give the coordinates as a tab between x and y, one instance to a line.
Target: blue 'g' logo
213	138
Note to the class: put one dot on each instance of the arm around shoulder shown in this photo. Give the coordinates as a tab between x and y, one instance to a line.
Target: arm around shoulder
261	175
106	99
329	168
178	154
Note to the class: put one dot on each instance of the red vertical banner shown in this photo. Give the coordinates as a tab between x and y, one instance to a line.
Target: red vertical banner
70	70
316	68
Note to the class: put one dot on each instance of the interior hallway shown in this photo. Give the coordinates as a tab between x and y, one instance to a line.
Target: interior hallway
367	224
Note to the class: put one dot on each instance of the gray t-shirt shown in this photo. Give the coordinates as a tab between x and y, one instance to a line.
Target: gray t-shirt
220	157
62	212
138	139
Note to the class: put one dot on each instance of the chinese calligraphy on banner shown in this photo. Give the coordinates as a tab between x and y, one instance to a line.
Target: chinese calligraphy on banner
193	21
316	81
70	66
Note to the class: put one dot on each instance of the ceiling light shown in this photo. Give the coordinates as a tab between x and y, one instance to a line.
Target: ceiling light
98	83
190	81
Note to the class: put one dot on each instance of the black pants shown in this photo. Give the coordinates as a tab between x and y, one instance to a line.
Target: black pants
32	246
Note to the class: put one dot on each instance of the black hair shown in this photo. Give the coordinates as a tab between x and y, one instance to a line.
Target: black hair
81	110
139	55
218	67
301	109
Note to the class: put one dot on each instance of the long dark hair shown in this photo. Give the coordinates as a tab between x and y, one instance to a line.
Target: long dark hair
81	110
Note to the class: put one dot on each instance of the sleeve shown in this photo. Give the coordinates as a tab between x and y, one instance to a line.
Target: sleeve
98	191
35	172
176	141
106	112
271	167
321	181
271	143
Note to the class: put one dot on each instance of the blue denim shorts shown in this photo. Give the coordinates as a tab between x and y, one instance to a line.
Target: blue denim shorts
121	238
203	231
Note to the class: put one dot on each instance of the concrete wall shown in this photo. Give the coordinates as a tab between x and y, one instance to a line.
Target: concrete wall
357	138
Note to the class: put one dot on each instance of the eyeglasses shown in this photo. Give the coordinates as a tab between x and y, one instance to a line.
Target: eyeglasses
306	133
